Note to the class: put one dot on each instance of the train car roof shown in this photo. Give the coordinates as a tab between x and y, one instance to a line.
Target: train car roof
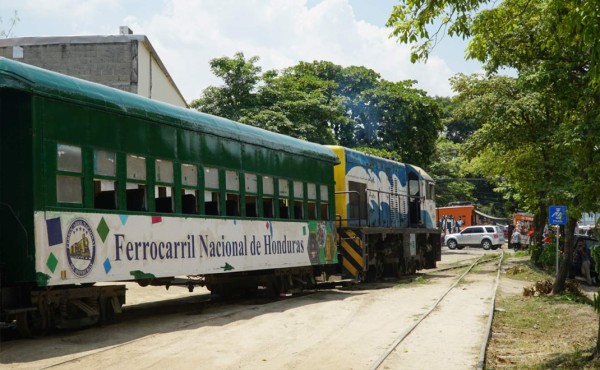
43	82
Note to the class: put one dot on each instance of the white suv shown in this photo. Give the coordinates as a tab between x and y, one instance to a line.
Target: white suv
486	236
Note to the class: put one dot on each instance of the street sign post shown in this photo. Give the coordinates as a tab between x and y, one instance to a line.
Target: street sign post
558	216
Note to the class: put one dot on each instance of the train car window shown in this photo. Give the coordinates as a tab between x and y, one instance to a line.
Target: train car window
105	163
324	204
163	191
298	200
312	201
136	167
211	193
189	175
68	189
105	181
232	200
69	158
69	179
135	195
251	198
189	195
268	197
135	192
284	202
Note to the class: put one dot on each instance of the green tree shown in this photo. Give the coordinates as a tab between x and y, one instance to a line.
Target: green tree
240	77
553	46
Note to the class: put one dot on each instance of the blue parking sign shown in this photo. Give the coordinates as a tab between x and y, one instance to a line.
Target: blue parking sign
558	215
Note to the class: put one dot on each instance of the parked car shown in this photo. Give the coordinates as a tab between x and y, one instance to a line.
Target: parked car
486	236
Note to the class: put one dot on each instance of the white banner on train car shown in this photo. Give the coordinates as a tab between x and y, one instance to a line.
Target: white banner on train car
83	247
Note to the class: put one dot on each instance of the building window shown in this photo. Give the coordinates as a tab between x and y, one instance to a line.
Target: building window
69	175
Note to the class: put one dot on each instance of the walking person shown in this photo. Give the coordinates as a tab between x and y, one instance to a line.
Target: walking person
515	239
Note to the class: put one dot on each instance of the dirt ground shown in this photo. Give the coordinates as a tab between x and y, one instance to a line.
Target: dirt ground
334	329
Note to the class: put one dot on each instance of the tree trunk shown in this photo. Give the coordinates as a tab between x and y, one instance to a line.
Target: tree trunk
563	270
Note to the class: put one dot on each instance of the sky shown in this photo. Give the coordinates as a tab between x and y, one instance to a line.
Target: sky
187	34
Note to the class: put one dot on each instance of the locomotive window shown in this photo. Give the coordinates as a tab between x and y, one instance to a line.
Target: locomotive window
298	200
430	190
69	158
211	193
105	184
68	189
251	198
413	187
68	180
189	197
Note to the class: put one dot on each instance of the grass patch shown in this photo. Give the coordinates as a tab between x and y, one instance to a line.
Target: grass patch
541	331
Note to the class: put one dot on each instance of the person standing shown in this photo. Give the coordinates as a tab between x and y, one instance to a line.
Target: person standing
586	262
515	239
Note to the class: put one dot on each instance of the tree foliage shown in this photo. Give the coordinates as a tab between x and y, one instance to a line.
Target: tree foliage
329	104
553	45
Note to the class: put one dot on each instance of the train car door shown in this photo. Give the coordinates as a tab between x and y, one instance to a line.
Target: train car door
414	192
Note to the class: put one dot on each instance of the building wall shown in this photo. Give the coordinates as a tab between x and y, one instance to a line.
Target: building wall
125	62
106	63
153	83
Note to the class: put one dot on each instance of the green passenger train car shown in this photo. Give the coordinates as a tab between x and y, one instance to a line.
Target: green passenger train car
99	185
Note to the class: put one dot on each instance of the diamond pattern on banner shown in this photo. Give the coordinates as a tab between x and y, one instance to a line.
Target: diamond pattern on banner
54	231
123	219
156	219
52	262
103	229
107	265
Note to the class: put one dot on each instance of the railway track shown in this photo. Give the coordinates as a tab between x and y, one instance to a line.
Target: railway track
349	322
381	361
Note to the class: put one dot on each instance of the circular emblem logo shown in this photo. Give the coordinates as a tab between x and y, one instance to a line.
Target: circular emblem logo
81	247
